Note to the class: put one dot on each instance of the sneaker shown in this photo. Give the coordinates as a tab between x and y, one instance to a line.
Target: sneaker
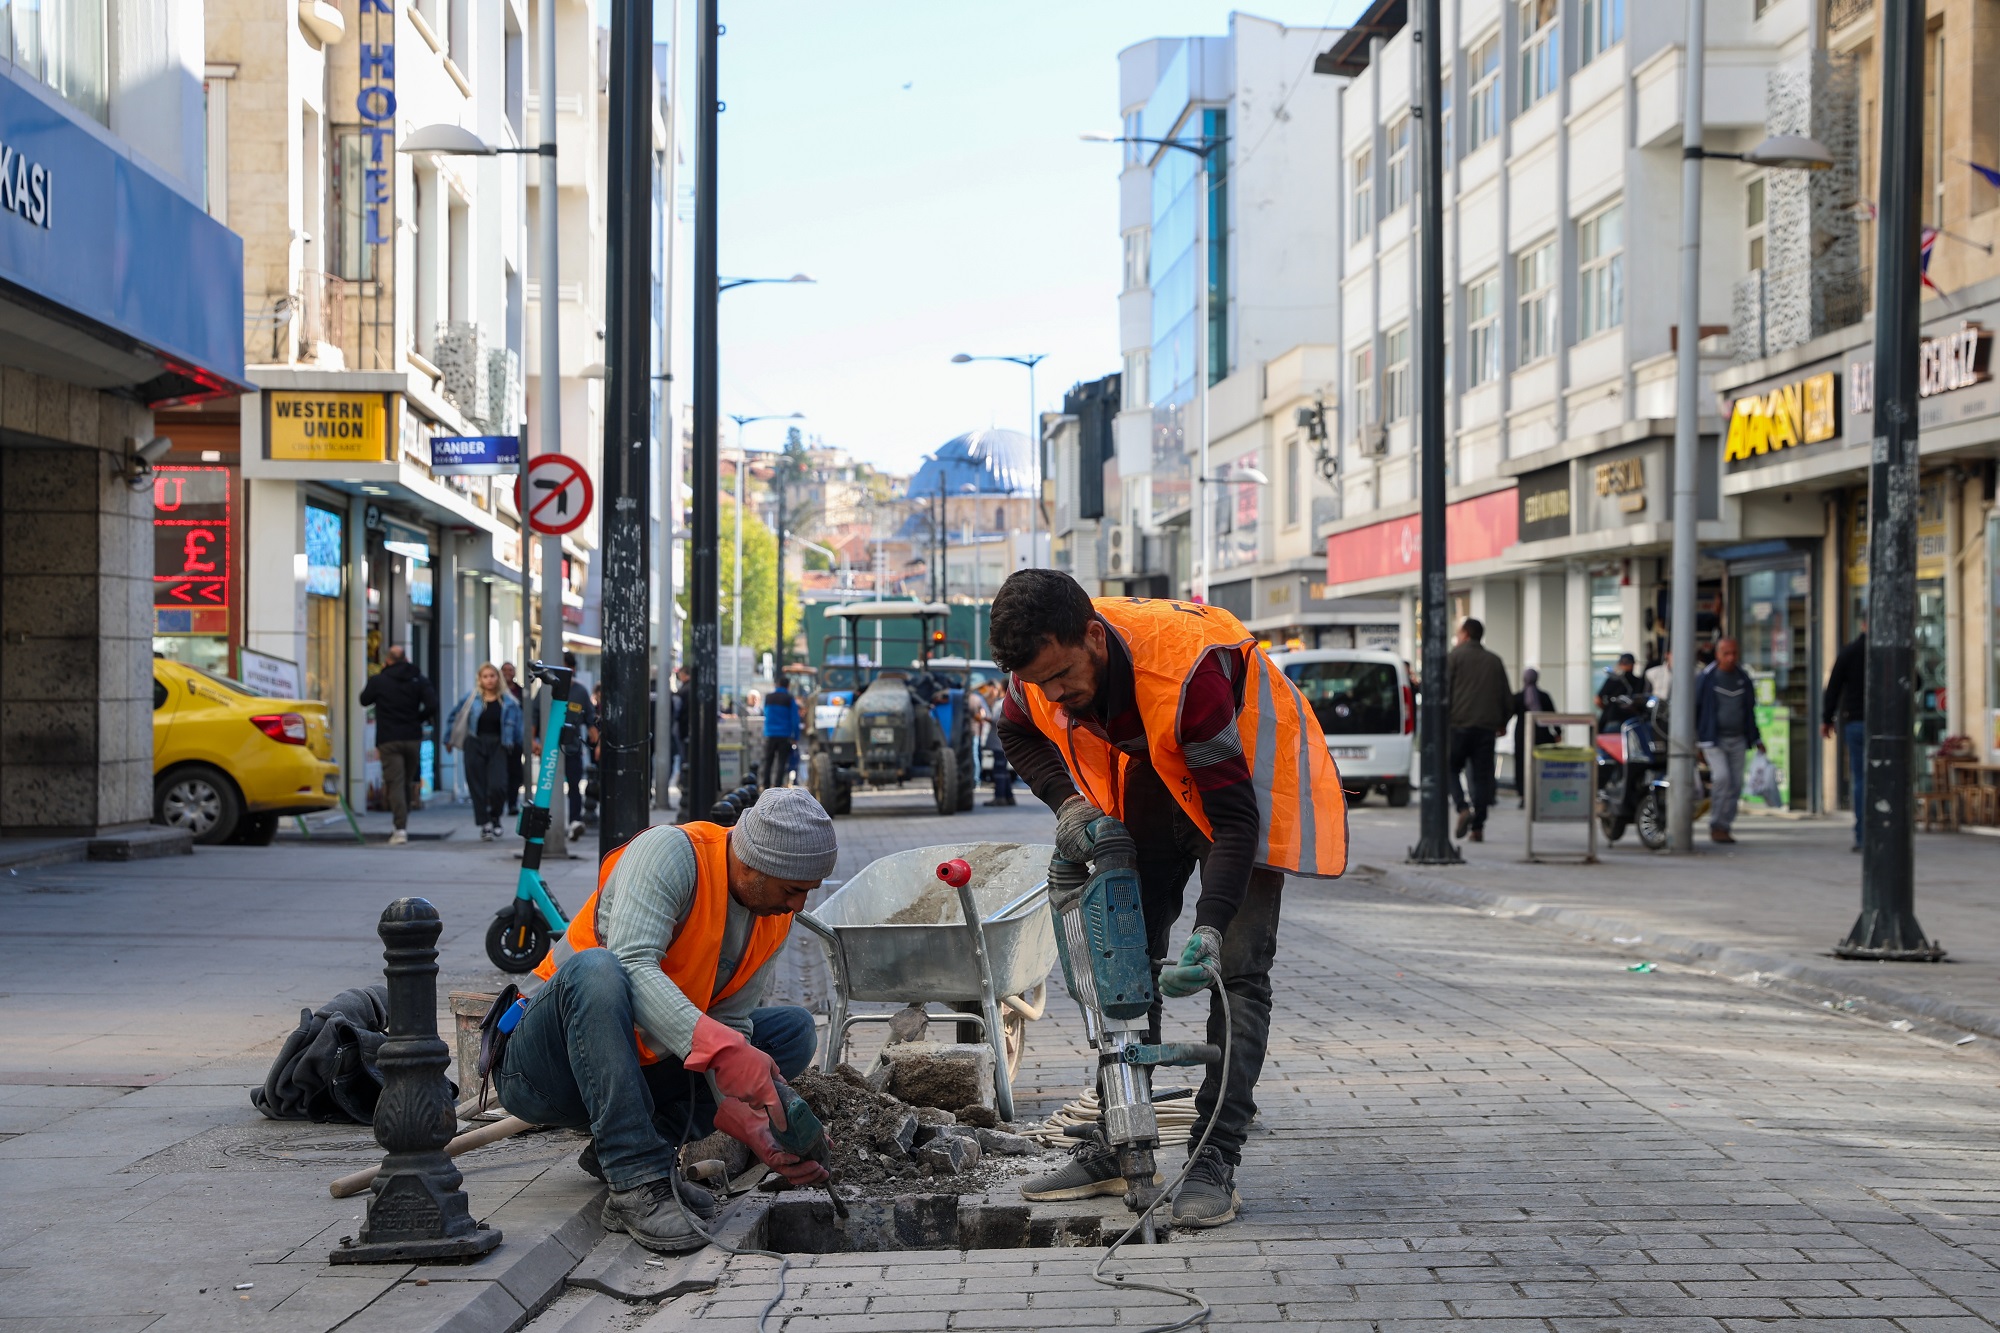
1207	1198
486	833
1092	1170
576	830
652	1216
398	838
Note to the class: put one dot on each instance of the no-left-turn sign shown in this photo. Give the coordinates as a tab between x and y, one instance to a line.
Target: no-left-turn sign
558	495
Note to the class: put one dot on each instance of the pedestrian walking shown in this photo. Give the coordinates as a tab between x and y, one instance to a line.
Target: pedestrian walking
581	727
484	724
1660	678
1725	726
1482	707
517	764
996	752
1530	698
781	734
1843	713
404	701
1622	696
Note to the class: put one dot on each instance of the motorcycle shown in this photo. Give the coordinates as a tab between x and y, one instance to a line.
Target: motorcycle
1632	782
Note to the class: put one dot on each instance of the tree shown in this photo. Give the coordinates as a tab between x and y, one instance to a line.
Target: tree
760	565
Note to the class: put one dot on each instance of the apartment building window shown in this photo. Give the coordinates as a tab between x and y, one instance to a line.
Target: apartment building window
1135	125
1482	329
1444	116
354	256
1482	92
1396	166
1603	27
1600	271
1292	482
1136	246
1535	281
1396	375
1753	220
1136	392
1363	396
1541	50
64	44
1363	192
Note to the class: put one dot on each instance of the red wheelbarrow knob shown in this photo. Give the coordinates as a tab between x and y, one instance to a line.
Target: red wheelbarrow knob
955	872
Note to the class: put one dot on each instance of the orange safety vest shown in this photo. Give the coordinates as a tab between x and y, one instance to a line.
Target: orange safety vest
690	962
1302	812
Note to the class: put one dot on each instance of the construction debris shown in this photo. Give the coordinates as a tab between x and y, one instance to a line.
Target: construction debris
883	1146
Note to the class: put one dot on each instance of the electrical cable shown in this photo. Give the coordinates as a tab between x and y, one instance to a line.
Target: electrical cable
1118	1281
784	1261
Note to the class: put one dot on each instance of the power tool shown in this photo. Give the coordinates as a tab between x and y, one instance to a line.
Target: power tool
1101	933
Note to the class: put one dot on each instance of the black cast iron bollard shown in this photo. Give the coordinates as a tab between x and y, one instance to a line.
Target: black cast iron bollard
417	1211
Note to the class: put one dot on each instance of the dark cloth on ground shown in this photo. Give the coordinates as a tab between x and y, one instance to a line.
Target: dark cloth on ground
327	1068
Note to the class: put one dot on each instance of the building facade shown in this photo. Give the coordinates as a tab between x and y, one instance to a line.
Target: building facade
122	299
390	320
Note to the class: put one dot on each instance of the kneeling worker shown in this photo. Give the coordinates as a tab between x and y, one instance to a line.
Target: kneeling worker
1169	717
655	992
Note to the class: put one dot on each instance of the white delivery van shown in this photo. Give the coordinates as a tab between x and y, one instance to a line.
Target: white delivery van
1365	707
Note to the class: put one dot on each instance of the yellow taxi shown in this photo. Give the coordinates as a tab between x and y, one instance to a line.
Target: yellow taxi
228	763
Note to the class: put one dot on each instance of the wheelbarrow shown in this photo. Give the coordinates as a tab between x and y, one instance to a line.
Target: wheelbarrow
896	933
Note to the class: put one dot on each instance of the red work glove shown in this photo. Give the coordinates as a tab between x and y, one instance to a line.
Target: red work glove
740	1070
750	1127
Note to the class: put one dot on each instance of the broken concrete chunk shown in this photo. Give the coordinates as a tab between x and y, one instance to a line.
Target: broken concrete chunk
985	1117
926	1133
931	1115
947	1075
994	1143
950	1154
896	1132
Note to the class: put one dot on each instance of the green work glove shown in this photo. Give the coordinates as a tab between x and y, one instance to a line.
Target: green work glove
1191	975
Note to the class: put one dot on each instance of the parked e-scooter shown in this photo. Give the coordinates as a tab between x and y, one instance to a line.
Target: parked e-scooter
522	931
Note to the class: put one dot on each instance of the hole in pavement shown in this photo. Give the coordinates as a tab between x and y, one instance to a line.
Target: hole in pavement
923	1222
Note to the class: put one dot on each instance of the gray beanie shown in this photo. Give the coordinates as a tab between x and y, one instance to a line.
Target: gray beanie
787	834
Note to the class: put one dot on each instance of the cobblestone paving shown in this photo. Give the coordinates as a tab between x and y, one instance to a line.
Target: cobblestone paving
1465	1119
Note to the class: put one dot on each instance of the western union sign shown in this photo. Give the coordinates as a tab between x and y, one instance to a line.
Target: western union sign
309	427
1805	412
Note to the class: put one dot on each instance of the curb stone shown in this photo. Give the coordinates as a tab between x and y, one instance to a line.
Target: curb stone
1752	966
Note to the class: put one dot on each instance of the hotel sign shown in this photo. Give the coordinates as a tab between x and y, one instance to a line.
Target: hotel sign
1804	412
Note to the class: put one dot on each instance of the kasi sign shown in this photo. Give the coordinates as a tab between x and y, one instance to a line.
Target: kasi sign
1804	412
326	427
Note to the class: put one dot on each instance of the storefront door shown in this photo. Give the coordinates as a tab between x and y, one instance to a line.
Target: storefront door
1771	620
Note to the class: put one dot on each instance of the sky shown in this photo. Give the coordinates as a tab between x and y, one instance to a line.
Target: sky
921	160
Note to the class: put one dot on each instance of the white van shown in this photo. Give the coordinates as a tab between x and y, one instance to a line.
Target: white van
1365	706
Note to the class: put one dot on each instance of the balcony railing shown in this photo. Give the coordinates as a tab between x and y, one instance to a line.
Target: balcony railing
1840	13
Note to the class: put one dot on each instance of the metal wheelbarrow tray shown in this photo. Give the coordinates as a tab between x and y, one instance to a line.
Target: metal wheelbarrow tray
896	933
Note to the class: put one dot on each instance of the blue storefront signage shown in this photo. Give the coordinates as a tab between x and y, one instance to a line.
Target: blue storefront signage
475	455
95	233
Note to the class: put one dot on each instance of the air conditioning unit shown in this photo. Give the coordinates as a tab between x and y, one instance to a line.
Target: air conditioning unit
1121	550
1371	440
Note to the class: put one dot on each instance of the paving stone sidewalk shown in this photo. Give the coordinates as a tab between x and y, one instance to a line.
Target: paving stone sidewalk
1470	1121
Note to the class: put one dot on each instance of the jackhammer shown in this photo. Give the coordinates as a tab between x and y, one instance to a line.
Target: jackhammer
1101	929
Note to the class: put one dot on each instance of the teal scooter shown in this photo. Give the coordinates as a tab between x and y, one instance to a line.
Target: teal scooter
522	931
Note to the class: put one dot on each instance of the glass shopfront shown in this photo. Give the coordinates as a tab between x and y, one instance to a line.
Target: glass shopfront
1932	723
1772	619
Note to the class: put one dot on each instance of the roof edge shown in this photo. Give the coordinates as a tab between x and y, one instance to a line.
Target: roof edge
1348	56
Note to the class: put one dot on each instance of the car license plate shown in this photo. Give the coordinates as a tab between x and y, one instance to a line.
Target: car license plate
1350	751
881	735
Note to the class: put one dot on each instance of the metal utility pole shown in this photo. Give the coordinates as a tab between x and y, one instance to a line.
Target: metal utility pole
778	648
556	840
627	480
670	452
1434	846
1687	453
701	773
1887	927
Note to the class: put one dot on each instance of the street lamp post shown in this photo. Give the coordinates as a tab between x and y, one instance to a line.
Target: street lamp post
1203	151
664	739
736	602
1235	476
1780	152
1034	432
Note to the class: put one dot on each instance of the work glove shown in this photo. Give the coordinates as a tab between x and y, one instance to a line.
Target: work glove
1073	837
739	1070
752	1128
1202	952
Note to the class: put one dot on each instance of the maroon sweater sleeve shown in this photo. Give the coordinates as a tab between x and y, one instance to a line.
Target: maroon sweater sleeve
1213	748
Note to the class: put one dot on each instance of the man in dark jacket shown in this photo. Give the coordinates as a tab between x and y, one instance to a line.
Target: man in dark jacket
1621	696
403	701
1531	698
1843	707
1481	708
1725	726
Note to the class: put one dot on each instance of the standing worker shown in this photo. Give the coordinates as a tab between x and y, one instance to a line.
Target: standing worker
1481	709
781	736
404	700
1169	717
1725	727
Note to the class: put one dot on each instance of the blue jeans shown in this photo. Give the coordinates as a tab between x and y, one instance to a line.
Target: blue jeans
572	1063
1856	735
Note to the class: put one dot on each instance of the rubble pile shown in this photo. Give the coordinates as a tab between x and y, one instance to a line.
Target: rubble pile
883	1142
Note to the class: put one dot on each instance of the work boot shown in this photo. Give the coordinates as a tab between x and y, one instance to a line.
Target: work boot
1207	1198
1092	1170
700	1201
651	1216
